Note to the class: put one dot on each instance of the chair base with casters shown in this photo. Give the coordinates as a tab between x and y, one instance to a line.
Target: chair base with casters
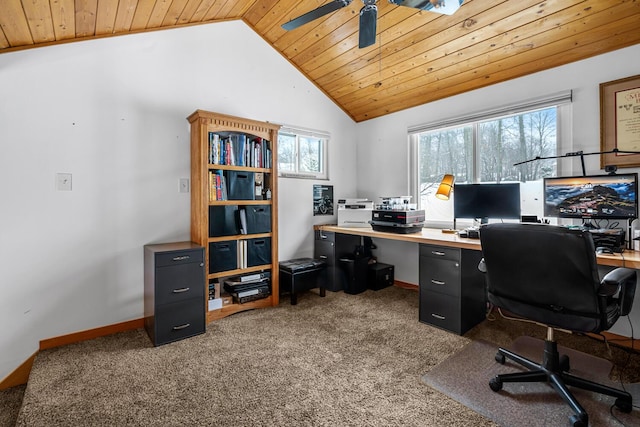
554	370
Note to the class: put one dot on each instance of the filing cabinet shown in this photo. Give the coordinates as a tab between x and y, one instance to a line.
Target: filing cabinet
174	291
330	247
452	289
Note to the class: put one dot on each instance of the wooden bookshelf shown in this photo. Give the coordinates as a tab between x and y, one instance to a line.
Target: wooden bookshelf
204	127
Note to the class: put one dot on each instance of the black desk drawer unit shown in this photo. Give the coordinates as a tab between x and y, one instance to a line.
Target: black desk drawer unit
452	289
174	291
330	247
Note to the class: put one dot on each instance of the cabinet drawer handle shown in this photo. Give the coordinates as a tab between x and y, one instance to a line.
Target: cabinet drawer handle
437	282
322	236
181	258
438	253
437	316
177	328
181	290
323	257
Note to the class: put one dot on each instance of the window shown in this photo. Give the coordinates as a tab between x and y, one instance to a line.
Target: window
484	148
302	153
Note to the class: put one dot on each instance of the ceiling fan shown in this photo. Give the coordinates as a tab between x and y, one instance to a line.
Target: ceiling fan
369	14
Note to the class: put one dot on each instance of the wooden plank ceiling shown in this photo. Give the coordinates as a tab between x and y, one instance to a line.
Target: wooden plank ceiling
418	56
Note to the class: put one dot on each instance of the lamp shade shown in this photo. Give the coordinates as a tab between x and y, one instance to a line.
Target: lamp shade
444	190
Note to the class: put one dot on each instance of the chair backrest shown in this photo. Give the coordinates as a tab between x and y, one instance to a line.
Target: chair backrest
544	273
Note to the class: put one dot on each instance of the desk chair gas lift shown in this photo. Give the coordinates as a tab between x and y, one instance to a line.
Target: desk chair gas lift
548	275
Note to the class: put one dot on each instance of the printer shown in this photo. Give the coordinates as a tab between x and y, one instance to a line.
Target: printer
354	212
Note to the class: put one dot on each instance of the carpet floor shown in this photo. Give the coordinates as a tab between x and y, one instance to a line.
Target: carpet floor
342	360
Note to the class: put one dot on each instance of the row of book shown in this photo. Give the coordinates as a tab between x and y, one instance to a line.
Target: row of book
238	149
217	186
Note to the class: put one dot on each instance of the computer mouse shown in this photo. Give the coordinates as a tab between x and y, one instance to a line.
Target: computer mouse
603	250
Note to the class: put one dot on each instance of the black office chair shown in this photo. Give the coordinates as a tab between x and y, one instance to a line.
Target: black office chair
548	275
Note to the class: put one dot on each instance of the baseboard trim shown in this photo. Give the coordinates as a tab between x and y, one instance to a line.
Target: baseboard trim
405	285
21	374
619	340
91	334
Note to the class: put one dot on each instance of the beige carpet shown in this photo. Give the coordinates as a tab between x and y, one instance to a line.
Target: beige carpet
525	404
343	360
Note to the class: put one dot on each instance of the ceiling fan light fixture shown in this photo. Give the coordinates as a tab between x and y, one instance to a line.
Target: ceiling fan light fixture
446	7
368	24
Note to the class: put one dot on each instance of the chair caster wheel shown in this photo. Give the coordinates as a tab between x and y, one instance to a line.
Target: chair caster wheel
624	405
496	384
579	421
500	358
565	366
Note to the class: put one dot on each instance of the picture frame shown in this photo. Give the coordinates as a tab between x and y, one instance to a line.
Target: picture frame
620	123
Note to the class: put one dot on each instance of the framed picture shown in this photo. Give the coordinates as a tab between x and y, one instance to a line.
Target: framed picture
322	199
620	122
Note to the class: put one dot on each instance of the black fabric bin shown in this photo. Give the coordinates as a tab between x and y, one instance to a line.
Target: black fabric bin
223	256
258	251
223	220
258	218
240	185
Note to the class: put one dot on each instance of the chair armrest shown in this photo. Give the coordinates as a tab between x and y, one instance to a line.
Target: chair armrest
621	281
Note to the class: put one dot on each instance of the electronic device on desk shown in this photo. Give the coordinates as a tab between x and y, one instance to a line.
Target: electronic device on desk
470	233
610	238
402	203
397	221
595	197
354	212
485	201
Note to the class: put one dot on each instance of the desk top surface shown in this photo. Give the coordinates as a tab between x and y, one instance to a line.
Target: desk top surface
435	236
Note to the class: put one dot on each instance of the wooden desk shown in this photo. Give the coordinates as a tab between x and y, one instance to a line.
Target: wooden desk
628	258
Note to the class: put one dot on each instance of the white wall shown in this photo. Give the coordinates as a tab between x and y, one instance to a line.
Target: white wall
383	154
113	113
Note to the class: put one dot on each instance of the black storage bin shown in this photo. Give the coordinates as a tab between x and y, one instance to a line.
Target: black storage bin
258	251
258	218
223	256
223	220
240	185
355	269
380	275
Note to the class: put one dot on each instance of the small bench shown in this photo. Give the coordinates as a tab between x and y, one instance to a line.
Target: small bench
301	274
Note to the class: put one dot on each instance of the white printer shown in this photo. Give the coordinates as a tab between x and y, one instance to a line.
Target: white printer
354	212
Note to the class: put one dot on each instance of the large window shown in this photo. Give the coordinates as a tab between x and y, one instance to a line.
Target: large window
484	148
302	154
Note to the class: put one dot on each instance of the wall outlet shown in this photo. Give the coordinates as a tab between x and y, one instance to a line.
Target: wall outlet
63	182
184	185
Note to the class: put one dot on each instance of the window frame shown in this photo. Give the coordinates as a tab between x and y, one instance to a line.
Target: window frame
323	161
561	101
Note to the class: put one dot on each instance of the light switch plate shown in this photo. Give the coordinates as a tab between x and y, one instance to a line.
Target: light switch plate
63	182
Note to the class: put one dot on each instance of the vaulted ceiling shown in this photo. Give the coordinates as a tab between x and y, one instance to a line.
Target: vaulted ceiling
418	57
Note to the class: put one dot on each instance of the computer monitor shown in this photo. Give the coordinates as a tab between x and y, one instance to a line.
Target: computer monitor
592	197
484	201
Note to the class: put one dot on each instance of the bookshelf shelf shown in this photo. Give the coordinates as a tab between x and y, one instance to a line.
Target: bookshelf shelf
219	189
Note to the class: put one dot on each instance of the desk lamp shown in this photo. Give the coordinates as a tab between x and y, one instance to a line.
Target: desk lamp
444	190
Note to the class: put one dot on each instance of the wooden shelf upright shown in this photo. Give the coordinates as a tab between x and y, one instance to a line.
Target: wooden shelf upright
206	167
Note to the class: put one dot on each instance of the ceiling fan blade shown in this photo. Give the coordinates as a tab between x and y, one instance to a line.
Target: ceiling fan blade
368	19
440	6
315	14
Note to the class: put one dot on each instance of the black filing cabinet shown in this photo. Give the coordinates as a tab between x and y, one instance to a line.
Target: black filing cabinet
331	247
452	289
174	291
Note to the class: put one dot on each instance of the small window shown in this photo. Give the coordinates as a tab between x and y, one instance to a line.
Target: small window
302	154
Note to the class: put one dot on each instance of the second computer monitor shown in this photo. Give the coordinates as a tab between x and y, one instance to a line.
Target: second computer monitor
484	201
